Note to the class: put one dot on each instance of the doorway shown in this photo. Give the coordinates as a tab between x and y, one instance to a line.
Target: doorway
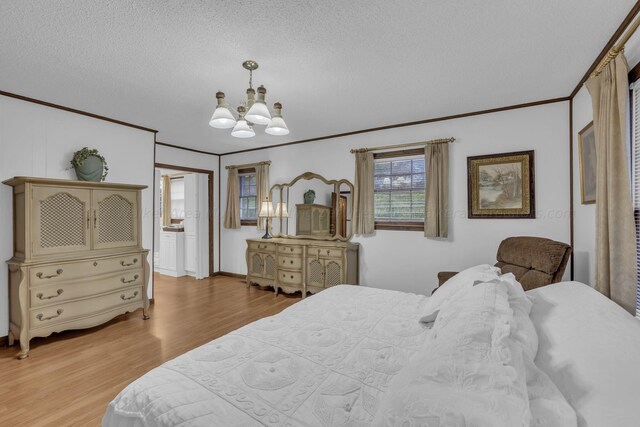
183	227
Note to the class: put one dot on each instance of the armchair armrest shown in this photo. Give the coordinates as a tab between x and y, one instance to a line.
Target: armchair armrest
443	276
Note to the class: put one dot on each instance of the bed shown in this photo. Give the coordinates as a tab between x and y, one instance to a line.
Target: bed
349	356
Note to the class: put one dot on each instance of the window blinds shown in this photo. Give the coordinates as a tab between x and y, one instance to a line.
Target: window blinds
635	162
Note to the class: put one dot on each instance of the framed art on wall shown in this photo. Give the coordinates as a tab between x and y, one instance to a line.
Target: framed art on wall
587	151
501	185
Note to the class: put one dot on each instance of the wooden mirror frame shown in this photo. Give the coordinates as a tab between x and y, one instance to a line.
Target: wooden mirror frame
336	188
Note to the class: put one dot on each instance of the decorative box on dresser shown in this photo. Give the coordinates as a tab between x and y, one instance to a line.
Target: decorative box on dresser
304	265
78	258
313	220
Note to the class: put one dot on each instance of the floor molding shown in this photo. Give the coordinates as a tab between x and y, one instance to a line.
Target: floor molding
228	274
3	341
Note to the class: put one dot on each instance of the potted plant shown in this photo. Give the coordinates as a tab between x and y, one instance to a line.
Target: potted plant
89	165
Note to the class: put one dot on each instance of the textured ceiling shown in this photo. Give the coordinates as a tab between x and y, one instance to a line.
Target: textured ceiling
336	66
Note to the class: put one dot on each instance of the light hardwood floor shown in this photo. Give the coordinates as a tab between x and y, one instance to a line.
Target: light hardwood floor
69	378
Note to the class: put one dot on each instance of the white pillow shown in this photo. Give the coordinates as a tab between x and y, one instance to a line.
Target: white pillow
461	282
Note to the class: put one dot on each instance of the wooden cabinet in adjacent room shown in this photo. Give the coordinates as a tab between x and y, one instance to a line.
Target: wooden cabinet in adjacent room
78	258
304	265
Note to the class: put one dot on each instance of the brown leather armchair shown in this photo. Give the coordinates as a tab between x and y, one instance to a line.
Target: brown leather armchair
534	261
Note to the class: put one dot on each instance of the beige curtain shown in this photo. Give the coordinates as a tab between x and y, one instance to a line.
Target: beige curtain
615	231
232	214
436	201
166	200
363	220
262	190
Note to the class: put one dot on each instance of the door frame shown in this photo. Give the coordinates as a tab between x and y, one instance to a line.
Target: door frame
209	173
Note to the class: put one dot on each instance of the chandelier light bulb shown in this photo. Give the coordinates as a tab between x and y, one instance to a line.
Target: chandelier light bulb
277	126
242	128
259	112
222	118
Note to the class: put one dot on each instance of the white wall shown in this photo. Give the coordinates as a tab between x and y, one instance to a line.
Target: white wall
177	157
584	216
407	261
39	141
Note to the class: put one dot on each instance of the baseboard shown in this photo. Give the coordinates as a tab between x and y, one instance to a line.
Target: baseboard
228	274
3	341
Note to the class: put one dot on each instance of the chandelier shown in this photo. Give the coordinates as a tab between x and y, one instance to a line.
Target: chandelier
254	112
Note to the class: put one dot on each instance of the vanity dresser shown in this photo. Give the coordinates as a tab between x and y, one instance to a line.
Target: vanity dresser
78	258
309	258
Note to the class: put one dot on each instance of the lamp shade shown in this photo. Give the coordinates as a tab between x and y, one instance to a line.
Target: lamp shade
281	210
259	112
242	128
277	125
266	210
222	118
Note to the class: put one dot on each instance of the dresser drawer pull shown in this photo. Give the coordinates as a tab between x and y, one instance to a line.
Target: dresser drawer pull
124	264
130	281
123	298
40	276
291	249
41	297
44	319
328	251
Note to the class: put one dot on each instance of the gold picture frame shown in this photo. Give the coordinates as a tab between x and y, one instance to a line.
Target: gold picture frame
588	164
501	185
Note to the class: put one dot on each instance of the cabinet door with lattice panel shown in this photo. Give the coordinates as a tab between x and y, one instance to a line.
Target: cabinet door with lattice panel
115	219
256	264
315	272
60	218
333	273
269	266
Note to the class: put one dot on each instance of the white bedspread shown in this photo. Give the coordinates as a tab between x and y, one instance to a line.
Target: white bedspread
329	360
590	348
326	361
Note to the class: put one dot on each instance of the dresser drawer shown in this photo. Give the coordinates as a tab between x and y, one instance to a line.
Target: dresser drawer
54	273
64	291
58	313
290	277
262	247
293	263
325	252
290	250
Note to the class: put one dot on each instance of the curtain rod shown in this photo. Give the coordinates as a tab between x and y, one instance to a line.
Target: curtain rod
248	165
615	50
409	144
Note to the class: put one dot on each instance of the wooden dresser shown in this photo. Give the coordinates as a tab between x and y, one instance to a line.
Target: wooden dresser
78	257
304	265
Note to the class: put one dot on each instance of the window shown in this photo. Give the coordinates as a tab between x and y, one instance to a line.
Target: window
248	197
177	199
399	190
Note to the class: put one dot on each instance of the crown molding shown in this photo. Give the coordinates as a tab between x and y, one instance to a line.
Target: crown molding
73	110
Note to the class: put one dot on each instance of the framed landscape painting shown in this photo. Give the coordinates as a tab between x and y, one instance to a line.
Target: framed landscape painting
501	185
587	148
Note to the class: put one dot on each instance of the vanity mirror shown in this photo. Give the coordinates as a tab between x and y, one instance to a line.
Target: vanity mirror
312	207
